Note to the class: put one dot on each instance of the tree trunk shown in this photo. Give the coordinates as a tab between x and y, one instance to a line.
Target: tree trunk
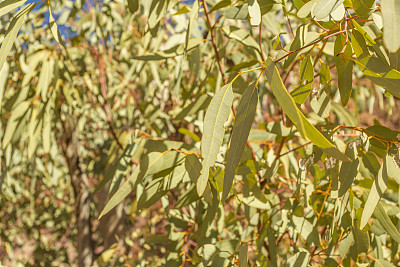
80	186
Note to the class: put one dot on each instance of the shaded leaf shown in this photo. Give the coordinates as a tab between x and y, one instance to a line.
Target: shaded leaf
344	68
348	170
241	129
378	188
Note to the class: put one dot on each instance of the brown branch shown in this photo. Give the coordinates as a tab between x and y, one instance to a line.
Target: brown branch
313	43
103	85
213	41
218	59
260	42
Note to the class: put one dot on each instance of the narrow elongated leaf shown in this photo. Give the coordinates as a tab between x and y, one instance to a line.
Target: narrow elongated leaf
348	170
12	32
8	5
152	163
54	27
364	8
213	133
344	68
237	12
254	12
380	73
305	128
243	256
46	134
3	81
387	224
325	7
301	93
220	4
299	41
378	188
391	24
241	129
192	18
15	119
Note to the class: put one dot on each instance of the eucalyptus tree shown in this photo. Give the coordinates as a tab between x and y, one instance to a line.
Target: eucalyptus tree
203	133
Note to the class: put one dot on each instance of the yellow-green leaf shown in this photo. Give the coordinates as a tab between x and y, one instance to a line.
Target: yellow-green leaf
378	188
8	5
152	163
12	32
213	133
305	128
54	27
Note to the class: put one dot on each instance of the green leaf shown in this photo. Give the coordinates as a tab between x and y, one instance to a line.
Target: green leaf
387	224
54	27
306	229
325	7
306	9
381	74
359	44
133	6
192	18
305	128
391	24
378	188
198	104
298	42
300	259
364	8
321	104
152	163
189	133
243	255
254	12
237	12
8	5
301	93
12	32
15	119
213	133
46	134
3	81
344	67
241	129
208	252
348	170
220	4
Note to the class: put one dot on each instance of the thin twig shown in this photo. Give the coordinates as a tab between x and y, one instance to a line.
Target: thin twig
213	41
103	85
313	43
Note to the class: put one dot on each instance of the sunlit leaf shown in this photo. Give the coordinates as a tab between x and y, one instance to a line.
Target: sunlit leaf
12	31
217	113
391	24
